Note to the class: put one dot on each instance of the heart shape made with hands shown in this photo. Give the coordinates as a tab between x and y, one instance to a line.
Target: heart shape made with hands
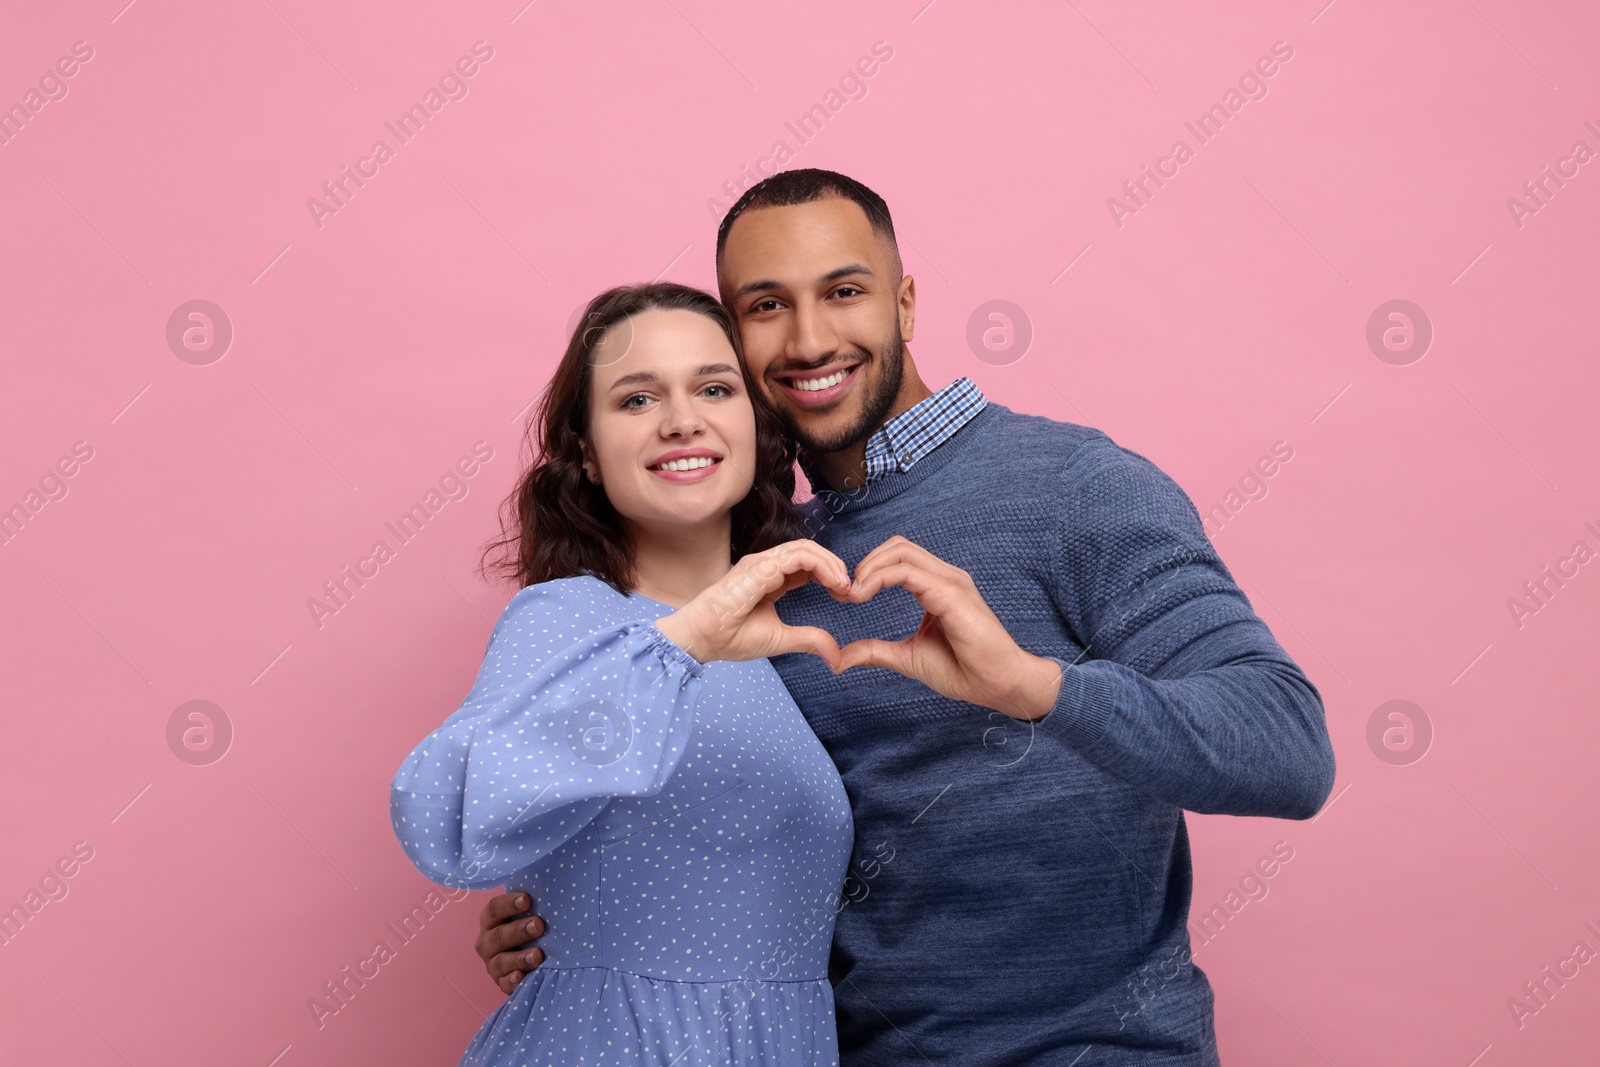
960	649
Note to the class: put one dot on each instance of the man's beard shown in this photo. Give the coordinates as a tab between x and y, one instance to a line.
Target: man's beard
874	406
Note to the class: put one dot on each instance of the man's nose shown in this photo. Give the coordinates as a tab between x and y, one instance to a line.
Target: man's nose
814	337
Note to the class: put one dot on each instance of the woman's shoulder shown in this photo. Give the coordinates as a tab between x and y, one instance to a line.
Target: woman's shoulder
580	604
579	589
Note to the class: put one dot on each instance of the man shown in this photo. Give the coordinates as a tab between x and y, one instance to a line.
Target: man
1047	664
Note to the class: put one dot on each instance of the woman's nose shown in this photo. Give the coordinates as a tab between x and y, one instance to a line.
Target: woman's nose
679	419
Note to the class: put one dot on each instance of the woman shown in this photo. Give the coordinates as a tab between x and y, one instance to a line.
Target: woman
627	756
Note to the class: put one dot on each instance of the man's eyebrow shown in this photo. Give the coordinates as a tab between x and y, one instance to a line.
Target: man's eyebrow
640	377
766	285
847	270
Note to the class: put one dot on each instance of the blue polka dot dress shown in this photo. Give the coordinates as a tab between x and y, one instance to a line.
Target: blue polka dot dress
680	828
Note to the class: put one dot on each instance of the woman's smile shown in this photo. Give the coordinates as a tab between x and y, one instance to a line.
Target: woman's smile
686	465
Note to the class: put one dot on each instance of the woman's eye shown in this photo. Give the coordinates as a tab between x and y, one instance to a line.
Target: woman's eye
720	390
629	401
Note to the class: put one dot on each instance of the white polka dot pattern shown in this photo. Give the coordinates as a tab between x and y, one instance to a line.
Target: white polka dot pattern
683	833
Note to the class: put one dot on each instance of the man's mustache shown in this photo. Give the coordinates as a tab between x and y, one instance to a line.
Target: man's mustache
861	358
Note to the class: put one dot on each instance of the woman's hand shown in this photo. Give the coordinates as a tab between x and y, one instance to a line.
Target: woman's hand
734	618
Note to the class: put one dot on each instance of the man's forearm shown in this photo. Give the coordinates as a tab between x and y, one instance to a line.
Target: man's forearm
1182	689
1245	738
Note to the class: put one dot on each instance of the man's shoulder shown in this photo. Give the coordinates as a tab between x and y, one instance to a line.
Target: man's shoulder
1054	438
1056	450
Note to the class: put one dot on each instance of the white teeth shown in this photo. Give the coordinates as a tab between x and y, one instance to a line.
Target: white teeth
694	463
813	385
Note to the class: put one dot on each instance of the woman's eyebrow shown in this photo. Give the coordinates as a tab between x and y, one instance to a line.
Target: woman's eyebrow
640	377
636	378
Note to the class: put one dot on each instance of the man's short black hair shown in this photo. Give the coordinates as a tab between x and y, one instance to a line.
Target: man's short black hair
804	186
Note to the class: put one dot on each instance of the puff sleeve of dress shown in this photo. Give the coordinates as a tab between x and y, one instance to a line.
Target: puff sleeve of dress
563	718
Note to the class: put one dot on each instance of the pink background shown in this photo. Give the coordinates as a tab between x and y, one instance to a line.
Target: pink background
370	353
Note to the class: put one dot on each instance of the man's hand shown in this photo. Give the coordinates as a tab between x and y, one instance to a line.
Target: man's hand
962	649
505	934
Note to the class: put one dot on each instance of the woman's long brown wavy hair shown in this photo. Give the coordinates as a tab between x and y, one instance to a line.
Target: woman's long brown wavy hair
558	524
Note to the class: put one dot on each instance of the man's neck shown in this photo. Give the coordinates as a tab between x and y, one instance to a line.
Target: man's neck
846	469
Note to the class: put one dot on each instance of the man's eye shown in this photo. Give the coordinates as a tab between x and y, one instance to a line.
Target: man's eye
846	290
764	305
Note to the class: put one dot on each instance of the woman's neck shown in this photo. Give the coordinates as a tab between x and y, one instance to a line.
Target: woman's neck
676	564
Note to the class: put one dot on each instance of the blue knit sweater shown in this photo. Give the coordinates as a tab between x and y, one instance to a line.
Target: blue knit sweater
1021	890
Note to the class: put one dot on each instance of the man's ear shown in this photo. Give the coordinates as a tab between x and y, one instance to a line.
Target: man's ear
907	300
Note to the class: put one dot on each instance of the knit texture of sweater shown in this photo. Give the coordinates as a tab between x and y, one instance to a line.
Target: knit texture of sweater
1019	892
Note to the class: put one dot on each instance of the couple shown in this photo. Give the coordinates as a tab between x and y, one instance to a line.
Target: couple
944	823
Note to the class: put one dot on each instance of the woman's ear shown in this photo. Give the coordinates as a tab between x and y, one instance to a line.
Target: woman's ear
590	466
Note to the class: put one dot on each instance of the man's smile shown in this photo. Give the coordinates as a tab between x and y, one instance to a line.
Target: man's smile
819	387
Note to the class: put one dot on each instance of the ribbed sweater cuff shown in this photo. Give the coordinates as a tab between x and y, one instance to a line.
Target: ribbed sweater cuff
1082	708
